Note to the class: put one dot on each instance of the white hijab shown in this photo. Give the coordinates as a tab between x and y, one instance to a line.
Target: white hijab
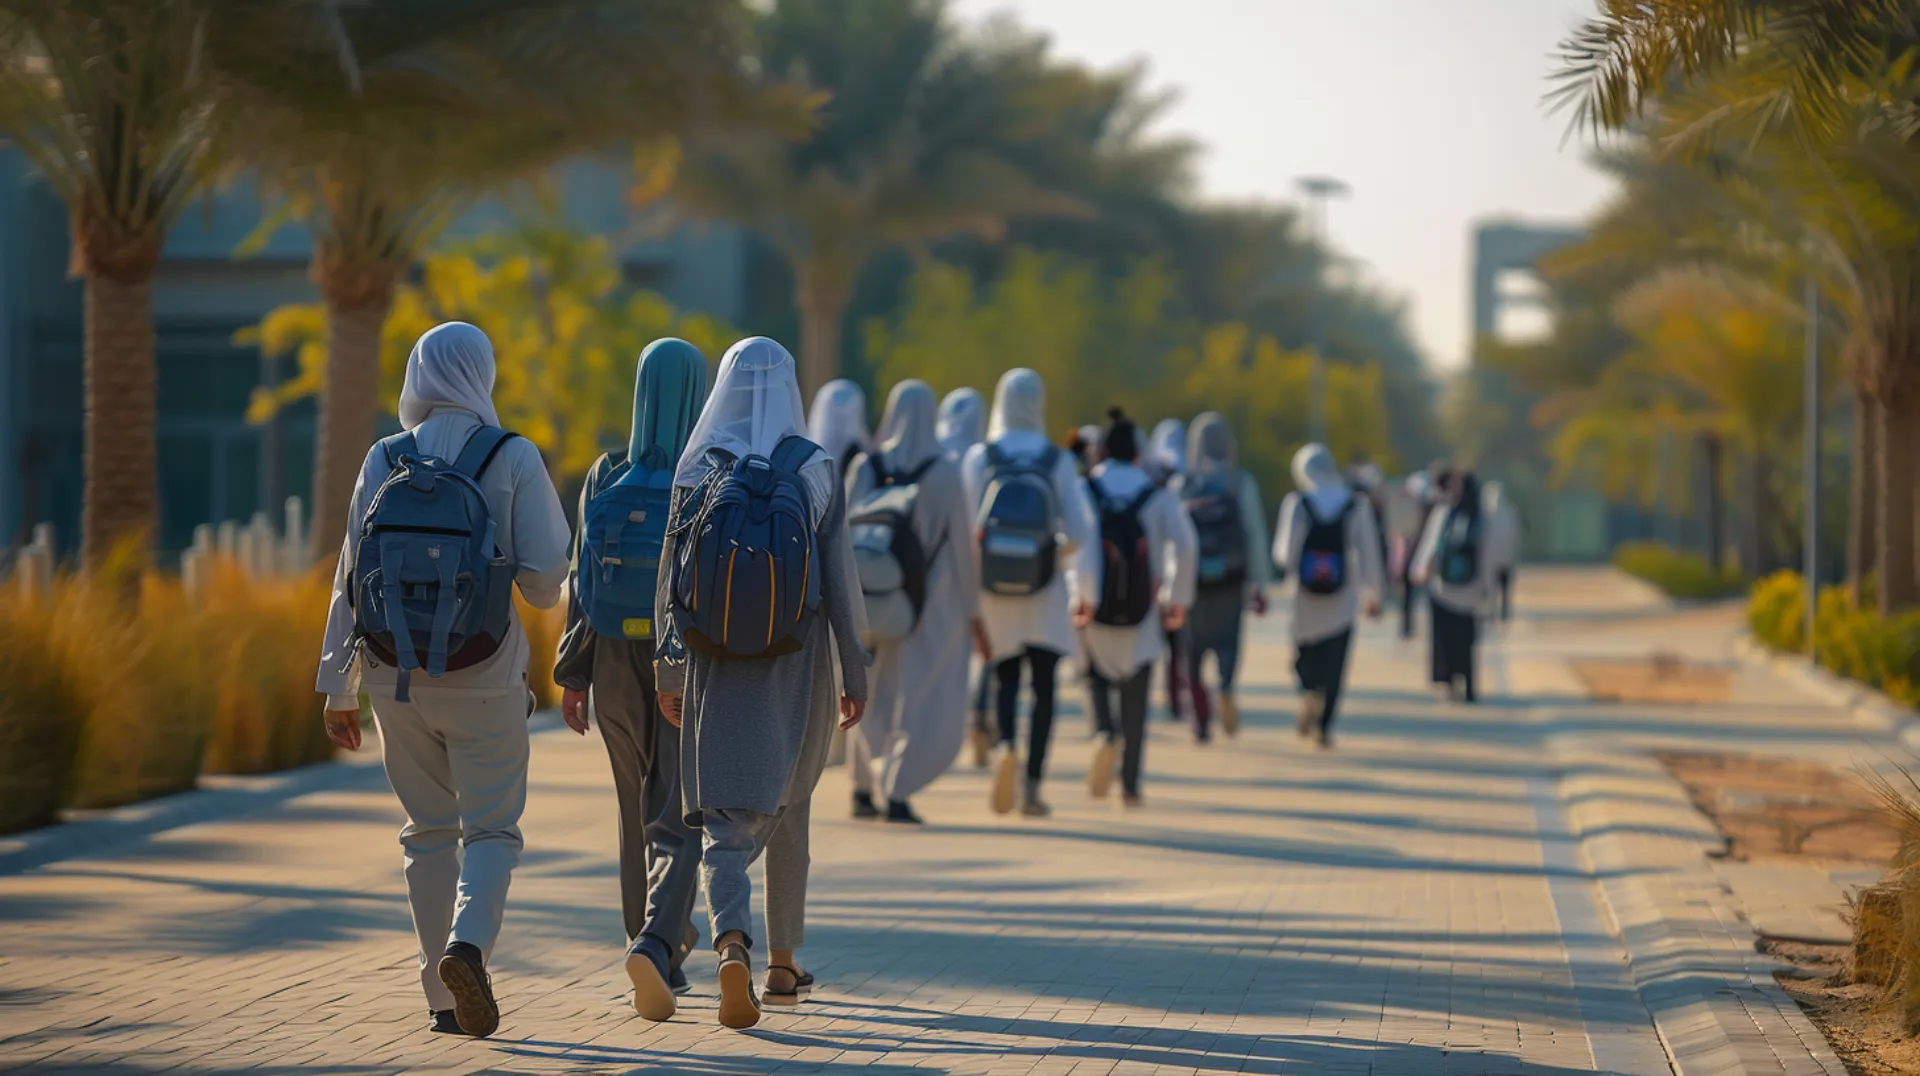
1168	446
755	403
963	420
1319	480
450	366
838	422
1493	497
907	429
1019	405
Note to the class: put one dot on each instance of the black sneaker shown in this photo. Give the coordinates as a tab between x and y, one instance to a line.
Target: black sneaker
899	811
647	969
864	807
464	972
677	982
444	1023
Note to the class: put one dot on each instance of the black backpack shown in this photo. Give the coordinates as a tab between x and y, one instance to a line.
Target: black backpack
1019	523
1215	511
1323	556
1126	584
1459	558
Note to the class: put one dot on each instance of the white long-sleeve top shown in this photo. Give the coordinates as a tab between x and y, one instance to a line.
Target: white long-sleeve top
530	530
1045	619
1322	616
1120	652
1469	599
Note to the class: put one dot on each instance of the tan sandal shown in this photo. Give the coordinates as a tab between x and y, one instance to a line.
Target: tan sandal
739	1008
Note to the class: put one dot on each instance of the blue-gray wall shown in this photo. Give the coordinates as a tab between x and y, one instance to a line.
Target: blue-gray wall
211	460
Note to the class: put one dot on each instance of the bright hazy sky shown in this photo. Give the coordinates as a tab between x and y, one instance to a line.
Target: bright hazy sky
1430	109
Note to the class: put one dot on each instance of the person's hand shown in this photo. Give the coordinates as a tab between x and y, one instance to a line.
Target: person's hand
1176	617
670	708
573	710
851	711
1082	615
982	644
1373	608
1259	603
343	728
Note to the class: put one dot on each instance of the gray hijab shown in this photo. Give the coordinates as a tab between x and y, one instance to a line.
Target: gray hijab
450	366
963	421
1210	447
907	430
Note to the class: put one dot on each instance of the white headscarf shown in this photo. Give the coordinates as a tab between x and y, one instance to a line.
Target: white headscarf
450	366
907	429
1210	447
1319	480
1493	497
838	422
1168	446
1019	404
963	420
755	403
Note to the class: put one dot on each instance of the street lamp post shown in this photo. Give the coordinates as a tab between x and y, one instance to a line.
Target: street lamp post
1812	448
1319	189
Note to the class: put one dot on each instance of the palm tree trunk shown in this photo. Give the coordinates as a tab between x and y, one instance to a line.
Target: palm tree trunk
1716	533
1898	439
347	410
1863	517
822	297
120	499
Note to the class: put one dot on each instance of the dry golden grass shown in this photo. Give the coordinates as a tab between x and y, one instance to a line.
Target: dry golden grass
121	688
1887	934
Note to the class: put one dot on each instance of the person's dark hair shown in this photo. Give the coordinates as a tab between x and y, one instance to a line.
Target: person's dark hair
1123	438
1466	492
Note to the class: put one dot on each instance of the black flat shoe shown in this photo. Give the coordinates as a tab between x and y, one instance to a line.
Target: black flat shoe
899	811
864	807
444	1023
464	972
802	986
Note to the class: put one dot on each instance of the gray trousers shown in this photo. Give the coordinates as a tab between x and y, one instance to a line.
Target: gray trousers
659	852
457	759
734	839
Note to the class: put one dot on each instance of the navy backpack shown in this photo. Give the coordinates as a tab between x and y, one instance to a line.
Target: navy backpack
429	588
623	533
745	584
1323	554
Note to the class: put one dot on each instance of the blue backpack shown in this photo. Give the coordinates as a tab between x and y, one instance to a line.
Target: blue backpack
429	588
623	533
744	582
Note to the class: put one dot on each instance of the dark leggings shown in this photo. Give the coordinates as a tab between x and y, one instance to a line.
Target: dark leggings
1454	636
1322	669
1045	664
1506	594
1409	596
1184	692
1133	720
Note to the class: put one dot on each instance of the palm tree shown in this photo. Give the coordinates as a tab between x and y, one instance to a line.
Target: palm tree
123	106
448	109
918	140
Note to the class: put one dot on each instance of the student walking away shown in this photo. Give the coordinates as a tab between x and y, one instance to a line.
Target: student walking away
1166	456
1430	490
1144	576
1503	543
913	544
1234	567
608	649
451	498
963	424
1367	481
1452	563
1084	443
1031	512
838	422
759	604
1328	541
1164	461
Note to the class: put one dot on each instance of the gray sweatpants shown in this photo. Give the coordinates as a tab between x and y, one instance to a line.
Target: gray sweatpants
457	759
659	852
734	839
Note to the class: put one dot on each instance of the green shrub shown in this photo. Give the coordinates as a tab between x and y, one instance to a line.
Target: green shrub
1679	574
1776	612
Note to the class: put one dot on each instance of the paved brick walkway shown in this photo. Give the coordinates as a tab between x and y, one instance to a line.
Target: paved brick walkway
1411	903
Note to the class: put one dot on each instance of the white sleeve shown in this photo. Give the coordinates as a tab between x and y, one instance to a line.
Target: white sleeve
542	542
1180	557
1421	567
1283	535
1364	544
1253	520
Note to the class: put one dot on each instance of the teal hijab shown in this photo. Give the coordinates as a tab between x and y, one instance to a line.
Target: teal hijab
669	389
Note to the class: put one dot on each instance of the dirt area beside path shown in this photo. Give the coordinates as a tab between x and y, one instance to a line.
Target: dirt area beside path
1863	1031
1791	812
1659	678
1769	808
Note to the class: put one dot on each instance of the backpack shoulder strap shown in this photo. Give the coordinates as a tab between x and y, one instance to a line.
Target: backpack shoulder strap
482	445
792	453
1306	505
920	472
400	444
1140	503
996	456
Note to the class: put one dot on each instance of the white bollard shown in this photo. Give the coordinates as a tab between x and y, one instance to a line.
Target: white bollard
294	557
226	537
263	559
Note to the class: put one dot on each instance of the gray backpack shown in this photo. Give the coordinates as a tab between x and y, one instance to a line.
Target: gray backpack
1019	523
